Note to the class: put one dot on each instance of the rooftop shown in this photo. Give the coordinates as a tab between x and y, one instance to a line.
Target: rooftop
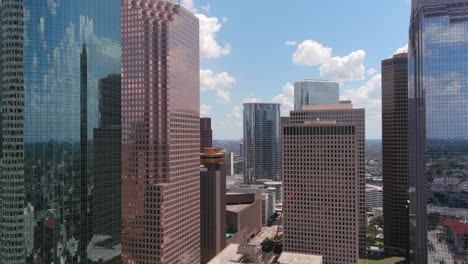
297	258
227	256
456	226
237	207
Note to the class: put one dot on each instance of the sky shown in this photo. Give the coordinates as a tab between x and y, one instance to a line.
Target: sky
254	51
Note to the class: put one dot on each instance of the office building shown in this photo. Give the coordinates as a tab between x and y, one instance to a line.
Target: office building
212	203
229	163
206	133
323	168
268	206
52	61
374	196
243	215
438	128
315	92
262	151
161	133
395	154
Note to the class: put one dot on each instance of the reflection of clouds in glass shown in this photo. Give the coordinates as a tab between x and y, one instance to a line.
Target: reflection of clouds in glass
441	31
52	5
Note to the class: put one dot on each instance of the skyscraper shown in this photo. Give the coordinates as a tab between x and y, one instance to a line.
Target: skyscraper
315	92
212	204
206	134
322	176
395	152
262	150
438	130
53	56
160	133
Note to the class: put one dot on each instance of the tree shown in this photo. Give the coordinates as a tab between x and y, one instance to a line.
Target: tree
267	244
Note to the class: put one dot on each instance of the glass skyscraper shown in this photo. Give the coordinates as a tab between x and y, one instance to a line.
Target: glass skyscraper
315	92
438	131
262	142
60	99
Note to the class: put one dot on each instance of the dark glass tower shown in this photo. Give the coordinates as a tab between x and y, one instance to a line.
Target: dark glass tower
438	125
395	152
54	54
262	149
206	134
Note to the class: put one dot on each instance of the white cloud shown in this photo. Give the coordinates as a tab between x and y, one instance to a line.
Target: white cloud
348	68
368	96
403	49
290	43
189	5
286	99
207	8
205	110
310	52
371	72
209	46
218	83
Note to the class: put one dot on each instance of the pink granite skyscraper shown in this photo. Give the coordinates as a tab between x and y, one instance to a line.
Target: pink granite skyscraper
160	137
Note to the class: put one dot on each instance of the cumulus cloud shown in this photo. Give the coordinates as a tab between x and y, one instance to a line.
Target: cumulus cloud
403	49
371	72
189	5
209	46
310	52
205	110
286	99
290	43
368	96
207	8
218	83
348	68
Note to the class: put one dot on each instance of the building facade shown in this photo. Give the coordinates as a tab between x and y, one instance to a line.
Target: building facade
374	196
438	125
212	204
317	156
160	133
51	66
315	92
262	150
206	134
395	154
243	215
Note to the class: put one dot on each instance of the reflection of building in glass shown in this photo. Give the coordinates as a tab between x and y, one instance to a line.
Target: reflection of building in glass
315	92
262	151
12	192
206	134
438	125
160	133
315	134
395	152
49	97
106	205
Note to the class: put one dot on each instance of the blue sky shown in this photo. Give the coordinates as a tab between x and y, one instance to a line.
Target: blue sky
255	50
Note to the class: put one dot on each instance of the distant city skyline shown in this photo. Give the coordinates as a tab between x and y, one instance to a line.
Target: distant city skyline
240	65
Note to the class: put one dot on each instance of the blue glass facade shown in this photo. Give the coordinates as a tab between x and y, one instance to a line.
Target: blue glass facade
262	142
438	109
60	166
315	92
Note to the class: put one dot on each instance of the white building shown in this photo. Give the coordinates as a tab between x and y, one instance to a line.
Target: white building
374	196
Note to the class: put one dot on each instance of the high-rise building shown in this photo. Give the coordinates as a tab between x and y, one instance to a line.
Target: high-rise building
107	162
229	163
315	92
160	133
53	56
212	204
206	134
262	150
395	154
438	131
324	178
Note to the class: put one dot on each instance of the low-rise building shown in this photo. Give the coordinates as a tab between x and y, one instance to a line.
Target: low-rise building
243	216
298	258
